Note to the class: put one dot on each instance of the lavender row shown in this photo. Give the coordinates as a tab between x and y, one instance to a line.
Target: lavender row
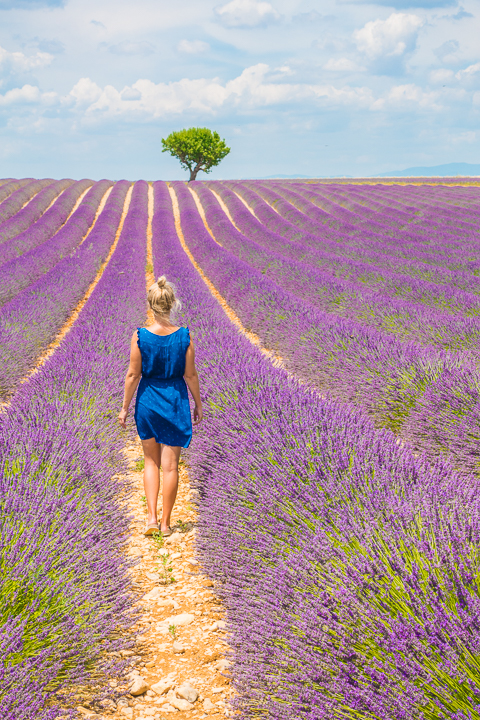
432	245
66	596
385	309
48	224
10	186
443	416
439	267
21	197
441	258
411	234
339	357
345	563
28	215
351	259
432	224
53	297
24	270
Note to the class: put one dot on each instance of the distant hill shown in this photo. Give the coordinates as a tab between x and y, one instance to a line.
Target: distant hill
447	170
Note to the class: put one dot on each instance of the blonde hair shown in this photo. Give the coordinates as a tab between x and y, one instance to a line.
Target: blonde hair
161	296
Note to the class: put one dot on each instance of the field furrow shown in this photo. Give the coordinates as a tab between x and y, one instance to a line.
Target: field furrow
22	195
32	210
22	271
55	296
48	224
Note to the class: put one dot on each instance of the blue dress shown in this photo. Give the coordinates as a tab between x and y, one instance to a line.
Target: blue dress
162	408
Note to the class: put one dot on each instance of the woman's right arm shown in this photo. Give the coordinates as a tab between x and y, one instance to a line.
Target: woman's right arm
134	374
191	378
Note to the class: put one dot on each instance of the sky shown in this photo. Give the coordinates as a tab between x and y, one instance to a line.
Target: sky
88	88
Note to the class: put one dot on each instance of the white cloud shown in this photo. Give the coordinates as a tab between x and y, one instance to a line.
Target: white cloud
130	93
253	89
27	95
390	37
85	92
447	51
193	47
404	95
343	65
18	62
246	13
470	71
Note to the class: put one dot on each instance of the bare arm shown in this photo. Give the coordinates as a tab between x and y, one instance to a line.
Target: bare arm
191	378
134	373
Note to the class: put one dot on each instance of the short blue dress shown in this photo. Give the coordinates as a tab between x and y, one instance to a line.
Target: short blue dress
162	408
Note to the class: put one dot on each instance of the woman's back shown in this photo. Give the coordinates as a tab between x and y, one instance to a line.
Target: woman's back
163	356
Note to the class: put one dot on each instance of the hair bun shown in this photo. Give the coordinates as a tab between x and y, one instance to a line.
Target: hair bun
161	282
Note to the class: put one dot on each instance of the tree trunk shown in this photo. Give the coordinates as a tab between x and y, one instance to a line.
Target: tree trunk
194	173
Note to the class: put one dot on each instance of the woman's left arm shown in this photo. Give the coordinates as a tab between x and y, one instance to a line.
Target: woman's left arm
134	373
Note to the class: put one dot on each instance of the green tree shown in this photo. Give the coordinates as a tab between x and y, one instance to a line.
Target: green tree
196	148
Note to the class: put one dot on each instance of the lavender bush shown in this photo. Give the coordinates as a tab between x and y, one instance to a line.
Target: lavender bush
411	318
348	566
48	224
66	601
27	215
13	202
54	296
24	270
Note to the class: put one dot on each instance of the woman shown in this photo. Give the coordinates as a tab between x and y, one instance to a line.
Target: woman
162	360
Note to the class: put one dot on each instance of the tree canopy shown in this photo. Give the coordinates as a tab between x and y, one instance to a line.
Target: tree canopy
198	149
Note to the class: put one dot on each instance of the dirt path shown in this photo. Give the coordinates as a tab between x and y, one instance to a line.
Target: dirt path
102	204
251	210
183	636
149	273
202	213
183	632
225	209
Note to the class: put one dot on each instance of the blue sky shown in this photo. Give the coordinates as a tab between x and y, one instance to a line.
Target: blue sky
89	87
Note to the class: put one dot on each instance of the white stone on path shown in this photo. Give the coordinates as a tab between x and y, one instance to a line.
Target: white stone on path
168	708
135	552
187	691
179	620
163	685
152	594
178	703
138	686
208	705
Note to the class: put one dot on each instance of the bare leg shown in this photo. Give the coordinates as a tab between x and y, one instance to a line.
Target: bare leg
169	459
151	477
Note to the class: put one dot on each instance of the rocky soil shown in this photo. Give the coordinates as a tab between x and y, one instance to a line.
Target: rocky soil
179	664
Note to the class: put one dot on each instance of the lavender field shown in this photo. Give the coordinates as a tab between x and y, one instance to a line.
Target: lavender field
338	467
